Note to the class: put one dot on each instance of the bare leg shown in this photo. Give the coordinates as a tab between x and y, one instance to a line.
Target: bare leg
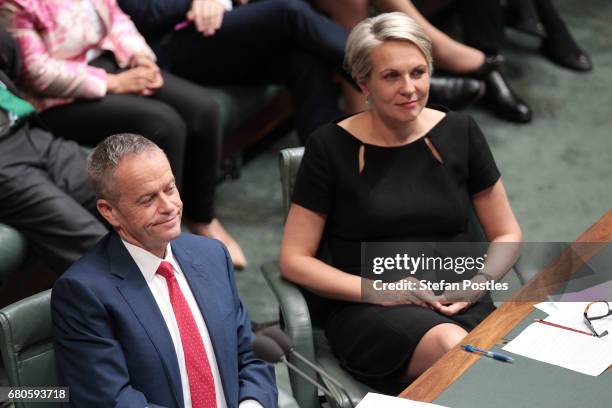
447	53
434	344
215	230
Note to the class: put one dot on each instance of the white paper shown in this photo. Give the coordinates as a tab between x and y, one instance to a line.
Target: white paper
564	348
373	400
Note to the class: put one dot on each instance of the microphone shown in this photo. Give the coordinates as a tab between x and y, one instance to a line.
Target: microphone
267	349
286	345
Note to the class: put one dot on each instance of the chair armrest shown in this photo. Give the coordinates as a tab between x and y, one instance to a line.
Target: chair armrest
293	308
298	326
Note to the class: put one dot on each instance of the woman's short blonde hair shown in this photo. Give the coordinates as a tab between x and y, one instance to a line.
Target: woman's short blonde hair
374	31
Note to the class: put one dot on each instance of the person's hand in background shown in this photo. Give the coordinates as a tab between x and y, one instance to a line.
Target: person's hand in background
139	80
206	15
144	60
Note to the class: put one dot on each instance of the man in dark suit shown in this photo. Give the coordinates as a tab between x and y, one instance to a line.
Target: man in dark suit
212	42
150	316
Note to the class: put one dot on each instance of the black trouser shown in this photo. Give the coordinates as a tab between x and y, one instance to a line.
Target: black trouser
483	24
45	194
181	118
270	41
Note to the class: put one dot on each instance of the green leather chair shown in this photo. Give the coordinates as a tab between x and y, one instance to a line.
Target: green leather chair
26	344
13	251
309	339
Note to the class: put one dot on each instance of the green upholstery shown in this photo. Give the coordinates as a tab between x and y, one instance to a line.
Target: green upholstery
13	250
238	103
26	344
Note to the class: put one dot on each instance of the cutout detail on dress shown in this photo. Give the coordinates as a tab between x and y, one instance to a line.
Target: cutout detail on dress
361	158
434	150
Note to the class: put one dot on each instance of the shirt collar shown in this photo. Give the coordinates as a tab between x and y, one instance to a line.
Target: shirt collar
148	262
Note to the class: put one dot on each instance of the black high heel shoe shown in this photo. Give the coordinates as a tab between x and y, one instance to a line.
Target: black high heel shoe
499	97
490	64
576	59
559	46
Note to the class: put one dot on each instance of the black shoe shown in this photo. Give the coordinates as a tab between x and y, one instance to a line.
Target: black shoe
575	59
491	63
503	101
454	92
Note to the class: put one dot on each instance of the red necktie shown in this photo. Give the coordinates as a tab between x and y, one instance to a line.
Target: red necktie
201	382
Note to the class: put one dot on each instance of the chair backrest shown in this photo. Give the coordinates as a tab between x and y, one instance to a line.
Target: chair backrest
26	344
289	165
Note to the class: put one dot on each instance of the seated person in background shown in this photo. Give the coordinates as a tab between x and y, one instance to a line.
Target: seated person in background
396	172
263	42
90	74
44	191
150	316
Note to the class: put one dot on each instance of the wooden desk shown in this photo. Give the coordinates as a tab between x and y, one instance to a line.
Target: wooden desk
453	364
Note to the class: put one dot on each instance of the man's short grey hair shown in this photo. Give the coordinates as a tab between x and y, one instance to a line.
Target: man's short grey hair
106	156
373	32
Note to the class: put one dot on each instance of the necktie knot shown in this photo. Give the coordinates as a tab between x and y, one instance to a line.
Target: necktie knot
165	269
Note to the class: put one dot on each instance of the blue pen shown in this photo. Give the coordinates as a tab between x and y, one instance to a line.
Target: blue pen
497	356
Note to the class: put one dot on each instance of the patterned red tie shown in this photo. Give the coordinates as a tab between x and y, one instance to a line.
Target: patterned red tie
201	382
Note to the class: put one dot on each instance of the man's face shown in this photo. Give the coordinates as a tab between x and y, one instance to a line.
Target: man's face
146	208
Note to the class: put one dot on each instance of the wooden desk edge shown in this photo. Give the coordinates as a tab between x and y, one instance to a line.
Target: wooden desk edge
453	364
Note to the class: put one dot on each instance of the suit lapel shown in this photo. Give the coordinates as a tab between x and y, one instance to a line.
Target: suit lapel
137	294
198	271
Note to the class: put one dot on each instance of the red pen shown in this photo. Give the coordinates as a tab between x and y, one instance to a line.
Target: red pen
562	327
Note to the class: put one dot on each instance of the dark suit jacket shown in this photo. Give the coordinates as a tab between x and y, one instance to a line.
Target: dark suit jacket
112	345
155	18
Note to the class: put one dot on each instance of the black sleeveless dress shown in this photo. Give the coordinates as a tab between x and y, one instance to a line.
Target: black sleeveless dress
402	194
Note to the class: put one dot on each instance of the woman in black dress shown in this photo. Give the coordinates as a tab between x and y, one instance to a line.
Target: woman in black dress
396	172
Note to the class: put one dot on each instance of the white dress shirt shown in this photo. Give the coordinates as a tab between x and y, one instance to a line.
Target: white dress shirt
148	264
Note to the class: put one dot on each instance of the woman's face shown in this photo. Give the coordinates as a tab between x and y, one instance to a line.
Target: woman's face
398	85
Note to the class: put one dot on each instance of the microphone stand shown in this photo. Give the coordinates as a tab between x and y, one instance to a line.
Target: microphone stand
323	373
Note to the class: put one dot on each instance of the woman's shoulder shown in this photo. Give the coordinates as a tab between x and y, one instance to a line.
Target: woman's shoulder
442	113
329	135
449	124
